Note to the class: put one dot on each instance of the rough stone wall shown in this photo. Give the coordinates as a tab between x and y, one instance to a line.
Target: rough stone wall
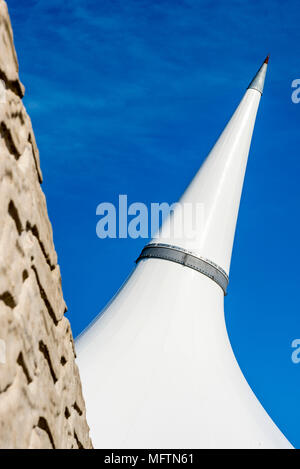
41	403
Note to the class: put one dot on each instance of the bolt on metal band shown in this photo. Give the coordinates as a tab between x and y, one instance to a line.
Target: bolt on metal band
188	259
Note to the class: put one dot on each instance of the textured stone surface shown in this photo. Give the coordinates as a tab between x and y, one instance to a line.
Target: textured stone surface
41	403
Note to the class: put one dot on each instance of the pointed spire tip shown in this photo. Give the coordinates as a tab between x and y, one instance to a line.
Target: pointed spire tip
258	81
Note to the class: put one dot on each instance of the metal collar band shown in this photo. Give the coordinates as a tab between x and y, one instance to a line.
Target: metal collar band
188	259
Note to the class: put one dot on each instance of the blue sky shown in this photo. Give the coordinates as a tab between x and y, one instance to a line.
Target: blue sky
127	97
